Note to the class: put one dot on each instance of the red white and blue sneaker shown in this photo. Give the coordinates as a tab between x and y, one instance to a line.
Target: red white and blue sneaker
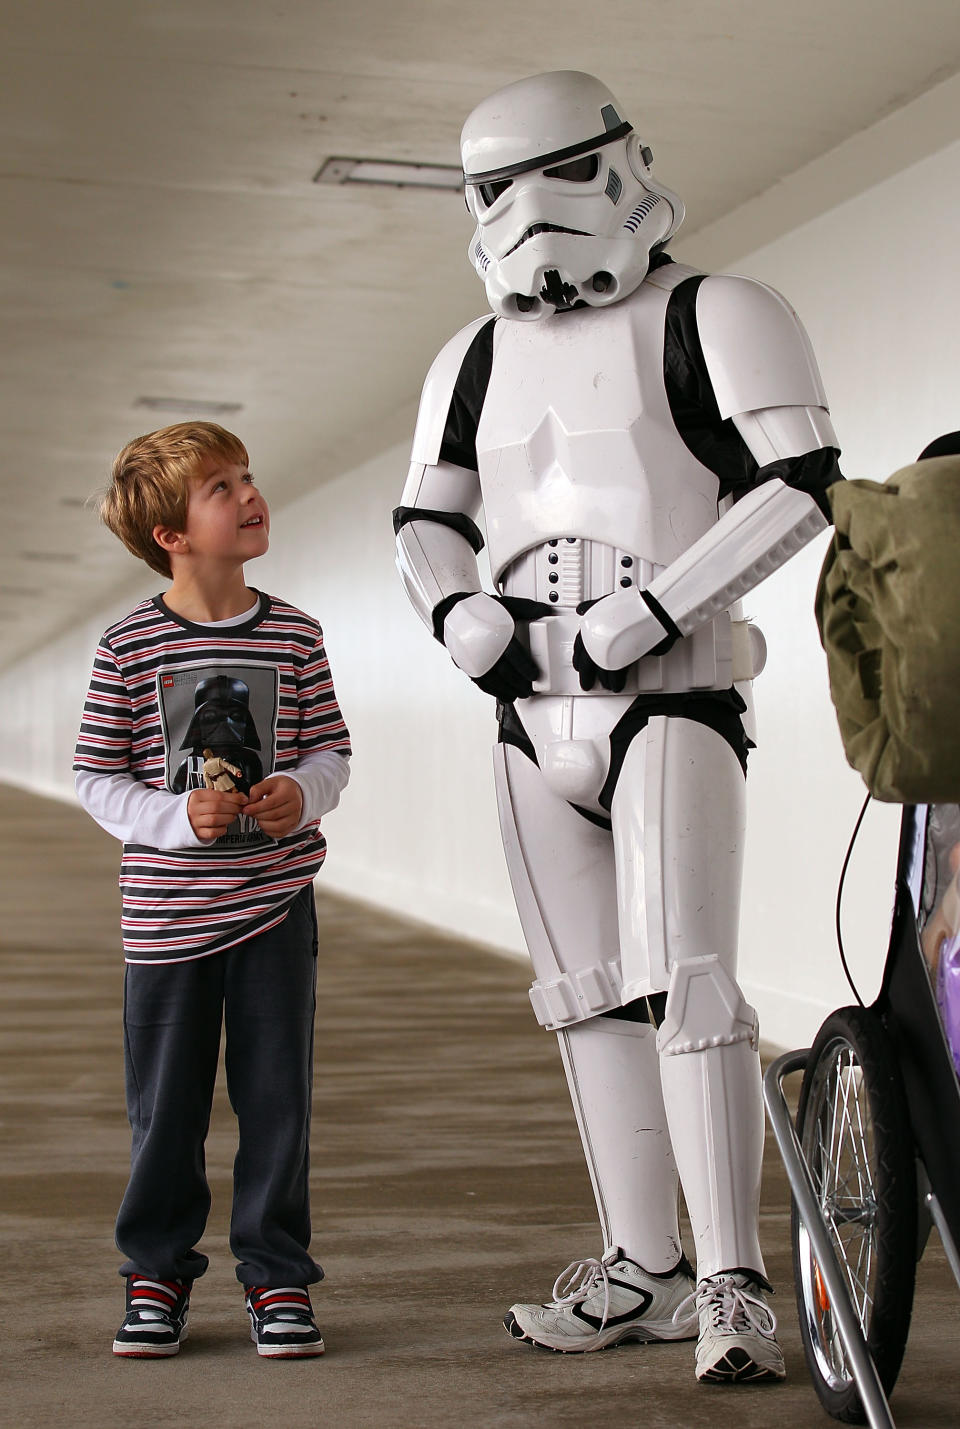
600	1303
155	1324
281	1321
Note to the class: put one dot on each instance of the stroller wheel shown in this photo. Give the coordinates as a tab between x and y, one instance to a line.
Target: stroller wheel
855	1137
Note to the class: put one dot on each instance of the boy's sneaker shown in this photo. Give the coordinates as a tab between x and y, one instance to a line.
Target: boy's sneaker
281	1321
737	1327
599	1303
155	1324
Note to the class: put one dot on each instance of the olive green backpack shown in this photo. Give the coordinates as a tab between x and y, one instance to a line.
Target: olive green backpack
888	608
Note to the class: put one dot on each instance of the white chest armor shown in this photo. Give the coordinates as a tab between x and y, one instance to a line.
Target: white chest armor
576	438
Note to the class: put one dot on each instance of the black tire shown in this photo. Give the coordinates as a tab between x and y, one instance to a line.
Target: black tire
855	1136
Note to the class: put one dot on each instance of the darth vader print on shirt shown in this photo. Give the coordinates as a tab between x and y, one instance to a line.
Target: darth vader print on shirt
219	722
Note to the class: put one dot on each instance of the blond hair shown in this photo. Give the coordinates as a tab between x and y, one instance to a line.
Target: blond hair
150	483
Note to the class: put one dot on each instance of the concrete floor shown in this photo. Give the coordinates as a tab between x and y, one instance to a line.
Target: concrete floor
448	1182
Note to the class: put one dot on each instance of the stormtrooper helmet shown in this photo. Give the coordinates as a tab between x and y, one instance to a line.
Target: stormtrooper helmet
567	210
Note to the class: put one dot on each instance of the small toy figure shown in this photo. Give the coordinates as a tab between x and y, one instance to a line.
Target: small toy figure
219	773
647	444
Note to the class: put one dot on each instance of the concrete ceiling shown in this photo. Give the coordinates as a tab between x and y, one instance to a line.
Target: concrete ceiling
162	236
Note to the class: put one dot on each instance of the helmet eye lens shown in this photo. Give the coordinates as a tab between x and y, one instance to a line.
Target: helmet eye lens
491	192
576	171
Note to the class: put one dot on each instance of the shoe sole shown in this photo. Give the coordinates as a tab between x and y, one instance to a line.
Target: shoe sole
742	1370
130	1350
630	1334
284	1352
756	1374
287	1352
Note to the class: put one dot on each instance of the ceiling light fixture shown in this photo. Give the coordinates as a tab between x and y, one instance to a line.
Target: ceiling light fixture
390	172
191	406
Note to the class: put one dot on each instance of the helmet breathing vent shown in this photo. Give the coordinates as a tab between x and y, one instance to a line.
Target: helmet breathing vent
483	260
614	186
643	208
556	292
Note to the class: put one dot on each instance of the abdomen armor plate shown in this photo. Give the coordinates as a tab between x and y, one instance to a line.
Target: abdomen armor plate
576	436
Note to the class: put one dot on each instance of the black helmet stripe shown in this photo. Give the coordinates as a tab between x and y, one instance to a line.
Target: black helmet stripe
545	161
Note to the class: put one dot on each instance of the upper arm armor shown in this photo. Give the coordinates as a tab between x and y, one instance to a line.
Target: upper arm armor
438	391
755	347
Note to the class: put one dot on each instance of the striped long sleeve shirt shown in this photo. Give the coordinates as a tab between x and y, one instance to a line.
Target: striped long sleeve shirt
164	697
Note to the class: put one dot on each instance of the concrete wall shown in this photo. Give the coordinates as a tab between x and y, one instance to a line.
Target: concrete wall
876	283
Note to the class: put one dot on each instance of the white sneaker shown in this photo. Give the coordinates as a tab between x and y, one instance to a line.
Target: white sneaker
737	1327
599	1303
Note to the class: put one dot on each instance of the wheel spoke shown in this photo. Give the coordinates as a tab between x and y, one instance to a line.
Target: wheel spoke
846	1189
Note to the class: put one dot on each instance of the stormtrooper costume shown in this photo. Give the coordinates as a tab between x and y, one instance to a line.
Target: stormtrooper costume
647	443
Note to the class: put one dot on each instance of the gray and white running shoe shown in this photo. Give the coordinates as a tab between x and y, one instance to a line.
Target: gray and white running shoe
737	1341
600	1303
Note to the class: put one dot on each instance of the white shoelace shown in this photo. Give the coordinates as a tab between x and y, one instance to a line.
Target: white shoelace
733	1309
581	1277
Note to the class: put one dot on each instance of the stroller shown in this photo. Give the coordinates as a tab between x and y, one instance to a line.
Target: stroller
873	1157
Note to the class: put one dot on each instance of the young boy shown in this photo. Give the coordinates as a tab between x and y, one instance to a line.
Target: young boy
212	745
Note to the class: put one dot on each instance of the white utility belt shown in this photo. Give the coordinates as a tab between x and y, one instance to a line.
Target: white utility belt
716	656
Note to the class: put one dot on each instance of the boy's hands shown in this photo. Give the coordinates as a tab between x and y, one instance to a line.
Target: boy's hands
211	813
276	804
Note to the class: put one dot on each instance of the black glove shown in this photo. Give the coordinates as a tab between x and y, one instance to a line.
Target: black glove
511	677
588	669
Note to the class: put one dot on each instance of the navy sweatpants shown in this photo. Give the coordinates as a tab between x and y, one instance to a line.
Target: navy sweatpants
264	993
